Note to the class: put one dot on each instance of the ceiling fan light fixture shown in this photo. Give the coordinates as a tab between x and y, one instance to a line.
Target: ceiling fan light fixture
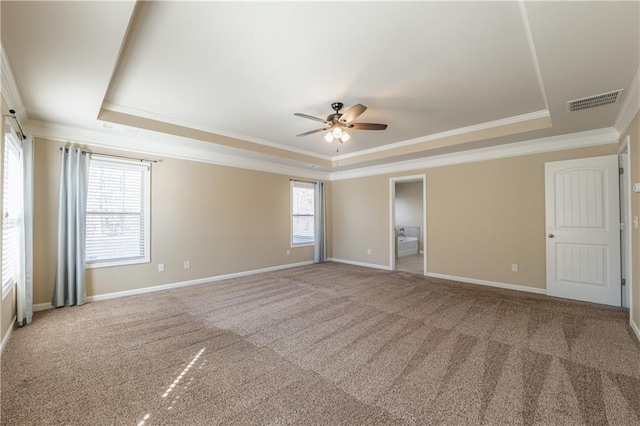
337	123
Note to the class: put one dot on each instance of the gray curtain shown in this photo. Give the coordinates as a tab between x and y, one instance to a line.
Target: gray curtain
320	248
24	288
70	285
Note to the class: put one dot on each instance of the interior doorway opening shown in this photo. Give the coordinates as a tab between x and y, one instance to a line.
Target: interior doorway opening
408	212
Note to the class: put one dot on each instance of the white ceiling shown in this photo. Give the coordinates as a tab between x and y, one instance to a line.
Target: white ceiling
241	69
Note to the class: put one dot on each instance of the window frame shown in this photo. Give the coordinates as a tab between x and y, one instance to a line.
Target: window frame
9	137
311	185
147	214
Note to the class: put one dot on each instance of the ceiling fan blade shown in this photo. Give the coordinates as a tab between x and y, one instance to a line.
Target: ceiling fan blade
352	113
310	117
310	132
368	126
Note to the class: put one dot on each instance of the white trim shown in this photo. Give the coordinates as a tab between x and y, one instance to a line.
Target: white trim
635	328
164	119
535	146
366	265
158	144
630	105
625	147
152	289
9	87
449	133
125	262
5	339
42	307
392	223
506	286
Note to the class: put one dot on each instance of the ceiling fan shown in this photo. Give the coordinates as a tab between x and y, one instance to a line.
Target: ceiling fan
337	123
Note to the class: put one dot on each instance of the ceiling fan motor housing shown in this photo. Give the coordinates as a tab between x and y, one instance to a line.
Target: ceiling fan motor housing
334	118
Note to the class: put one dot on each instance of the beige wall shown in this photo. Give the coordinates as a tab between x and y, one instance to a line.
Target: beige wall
481	217
634	149
222	219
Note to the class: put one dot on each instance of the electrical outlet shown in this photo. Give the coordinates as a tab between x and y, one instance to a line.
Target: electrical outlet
187	264
160	267
514	267
288	252
368	251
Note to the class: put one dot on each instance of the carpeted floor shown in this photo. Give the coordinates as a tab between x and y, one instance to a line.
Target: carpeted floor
325	344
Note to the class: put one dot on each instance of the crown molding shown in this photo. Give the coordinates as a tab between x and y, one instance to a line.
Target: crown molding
158	117
195	150
449	133
535	146
630	105
9	87
187	149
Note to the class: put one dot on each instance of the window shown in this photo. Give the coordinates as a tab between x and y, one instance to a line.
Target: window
118	204
12	211
302	213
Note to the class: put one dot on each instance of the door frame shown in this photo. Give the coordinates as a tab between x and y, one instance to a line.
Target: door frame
626	251
392	217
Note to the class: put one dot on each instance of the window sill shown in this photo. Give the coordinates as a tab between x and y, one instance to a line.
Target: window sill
110	264
302	245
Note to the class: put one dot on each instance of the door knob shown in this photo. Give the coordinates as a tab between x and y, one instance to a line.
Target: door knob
550	235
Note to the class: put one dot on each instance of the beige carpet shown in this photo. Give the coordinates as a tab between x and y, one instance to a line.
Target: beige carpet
324	344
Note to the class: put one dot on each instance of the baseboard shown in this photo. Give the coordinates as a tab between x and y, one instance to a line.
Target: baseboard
5	340
117	294
366	265
635	328
42	307
489	283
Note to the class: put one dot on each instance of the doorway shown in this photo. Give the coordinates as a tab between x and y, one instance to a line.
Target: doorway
408	224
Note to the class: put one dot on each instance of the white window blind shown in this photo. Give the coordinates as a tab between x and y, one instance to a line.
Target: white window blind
118	202
12	211
302	213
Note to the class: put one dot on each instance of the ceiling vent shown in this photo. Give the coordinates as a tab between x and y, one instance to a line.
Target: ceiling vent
595	101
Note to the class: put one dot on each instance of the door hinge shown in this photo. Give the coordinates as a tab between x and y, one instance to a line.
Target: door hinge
621	170
622	226
624	282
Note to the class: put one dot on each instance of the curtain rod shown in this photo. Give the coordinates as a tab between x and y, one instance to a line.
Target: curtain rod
114	156
13	115
305	181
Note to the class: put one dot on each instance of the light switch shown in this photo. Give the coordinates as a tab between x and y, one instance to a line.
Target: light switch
636	187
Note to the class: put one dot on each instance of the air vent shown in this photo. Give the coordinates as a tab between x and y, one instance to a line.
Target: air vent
595	101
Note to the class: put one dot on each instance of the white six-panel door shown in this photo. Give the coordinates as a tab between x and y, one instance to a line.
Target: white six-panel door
583	229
